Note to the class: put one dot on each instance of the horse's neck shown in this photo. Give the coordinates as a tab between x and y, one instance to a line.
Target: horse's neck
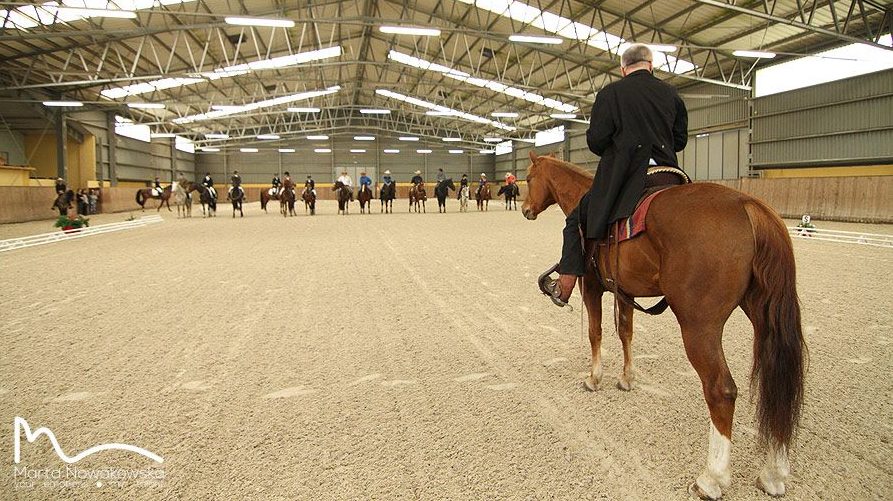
568	186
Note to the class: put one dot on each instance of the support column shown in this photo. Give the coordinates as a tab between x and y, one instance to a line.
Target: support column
173	158
112	139
62	147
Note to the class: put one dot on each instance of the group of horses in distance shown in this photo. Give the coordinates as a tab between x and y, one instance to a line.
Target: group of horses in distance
182	195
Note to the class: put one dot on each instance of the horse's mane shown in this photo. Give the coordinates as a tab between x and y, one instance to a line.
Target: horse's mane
576	169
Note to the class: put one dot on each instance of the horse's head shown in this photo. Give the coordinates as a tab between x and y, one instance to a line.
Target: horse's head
337	186
450	184
539	192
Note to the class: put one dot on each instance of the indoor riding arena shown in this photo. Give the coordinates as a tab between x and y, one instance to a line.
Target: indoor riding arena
306	250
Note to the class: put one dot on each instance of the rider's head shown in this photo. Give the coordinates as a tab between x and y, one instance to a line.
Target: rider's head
285	173
363	173
636	57
235	173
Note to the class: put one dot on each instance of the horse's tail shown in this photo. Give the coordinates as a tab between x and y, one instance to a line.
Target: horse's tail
778	348
139	198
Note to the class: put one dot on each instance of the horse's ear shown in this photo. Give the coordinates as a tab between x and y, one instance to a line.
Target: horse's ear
533	156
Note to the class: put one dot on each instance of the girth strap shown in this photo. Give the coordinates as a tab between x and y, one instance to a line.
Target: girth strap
611	286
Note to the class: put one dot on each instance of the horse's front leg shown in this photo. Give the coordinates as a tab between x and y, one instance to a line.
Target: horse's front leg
592	298
625	331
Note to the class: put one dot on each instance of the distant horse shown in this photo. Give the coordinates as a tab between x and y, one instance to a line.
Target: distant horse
146	193
309	201
287	202
343	197
387	195
442	191
236	196
708	249
417	195
63	202
463	199
266	196
511	192
483	197
183	200
365	197
207	197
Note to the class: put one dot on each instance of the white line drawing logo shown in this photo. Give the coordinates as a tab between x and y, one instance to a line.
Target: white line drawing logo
19	425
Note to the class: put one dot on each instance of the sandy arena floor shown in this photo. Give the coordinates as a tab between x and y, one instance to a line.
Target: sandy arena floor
398	357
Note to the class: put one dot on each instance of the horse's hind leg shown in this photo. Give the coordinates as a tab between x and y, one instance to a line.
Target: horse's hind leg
703	345
592	298
625	331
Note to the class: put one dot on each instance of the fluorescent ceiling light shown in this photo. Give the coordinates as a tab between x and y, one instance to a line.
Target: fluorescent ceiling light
267	136
661	47
392	151
318	138
258	105
504	114
408	138
216	135
322	150
260	21
79	12
161	135
442	113
286	150
410	30
369	111
492	139
456	151
755	54
225	72
358	151
486	152
364	138
59	104
423	151
437	107
480	82
568	28
565	116
211	150
504	148
536	39
450	139
146	106
224	107
304	110
248	150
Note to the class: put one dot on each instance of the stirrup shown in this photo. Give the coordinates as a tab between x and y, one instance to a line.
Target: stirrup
550	287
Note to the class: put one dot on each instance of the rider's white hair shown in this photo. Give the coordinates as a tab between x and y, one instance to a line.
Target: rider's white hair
636	53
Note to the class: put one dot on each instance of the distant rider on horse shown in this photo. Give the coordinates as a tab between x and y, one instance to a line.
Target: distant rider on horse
60	186
287	183
481	183
158	189
441	177
235	183
463	183
365	182
510	178
208	183
346	181
417	178
310	184
277	184
386	179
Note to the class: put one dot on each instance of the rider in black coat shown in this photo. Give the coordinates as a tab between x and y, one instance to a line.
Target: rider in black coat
636	121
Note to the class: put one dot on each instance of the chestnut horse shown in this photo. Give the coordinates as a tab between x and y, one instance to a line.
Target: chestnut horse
708	250
417	194
287	201
146	193
483	196
265	198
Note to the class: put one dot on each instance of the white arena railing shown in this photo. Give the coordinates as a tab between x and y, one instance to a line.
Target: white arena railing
848	237
59	236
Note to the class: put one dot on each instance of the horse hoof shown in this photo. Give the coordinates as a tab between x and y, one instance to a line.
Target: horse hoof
625	384
589	384
774	489
695	490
